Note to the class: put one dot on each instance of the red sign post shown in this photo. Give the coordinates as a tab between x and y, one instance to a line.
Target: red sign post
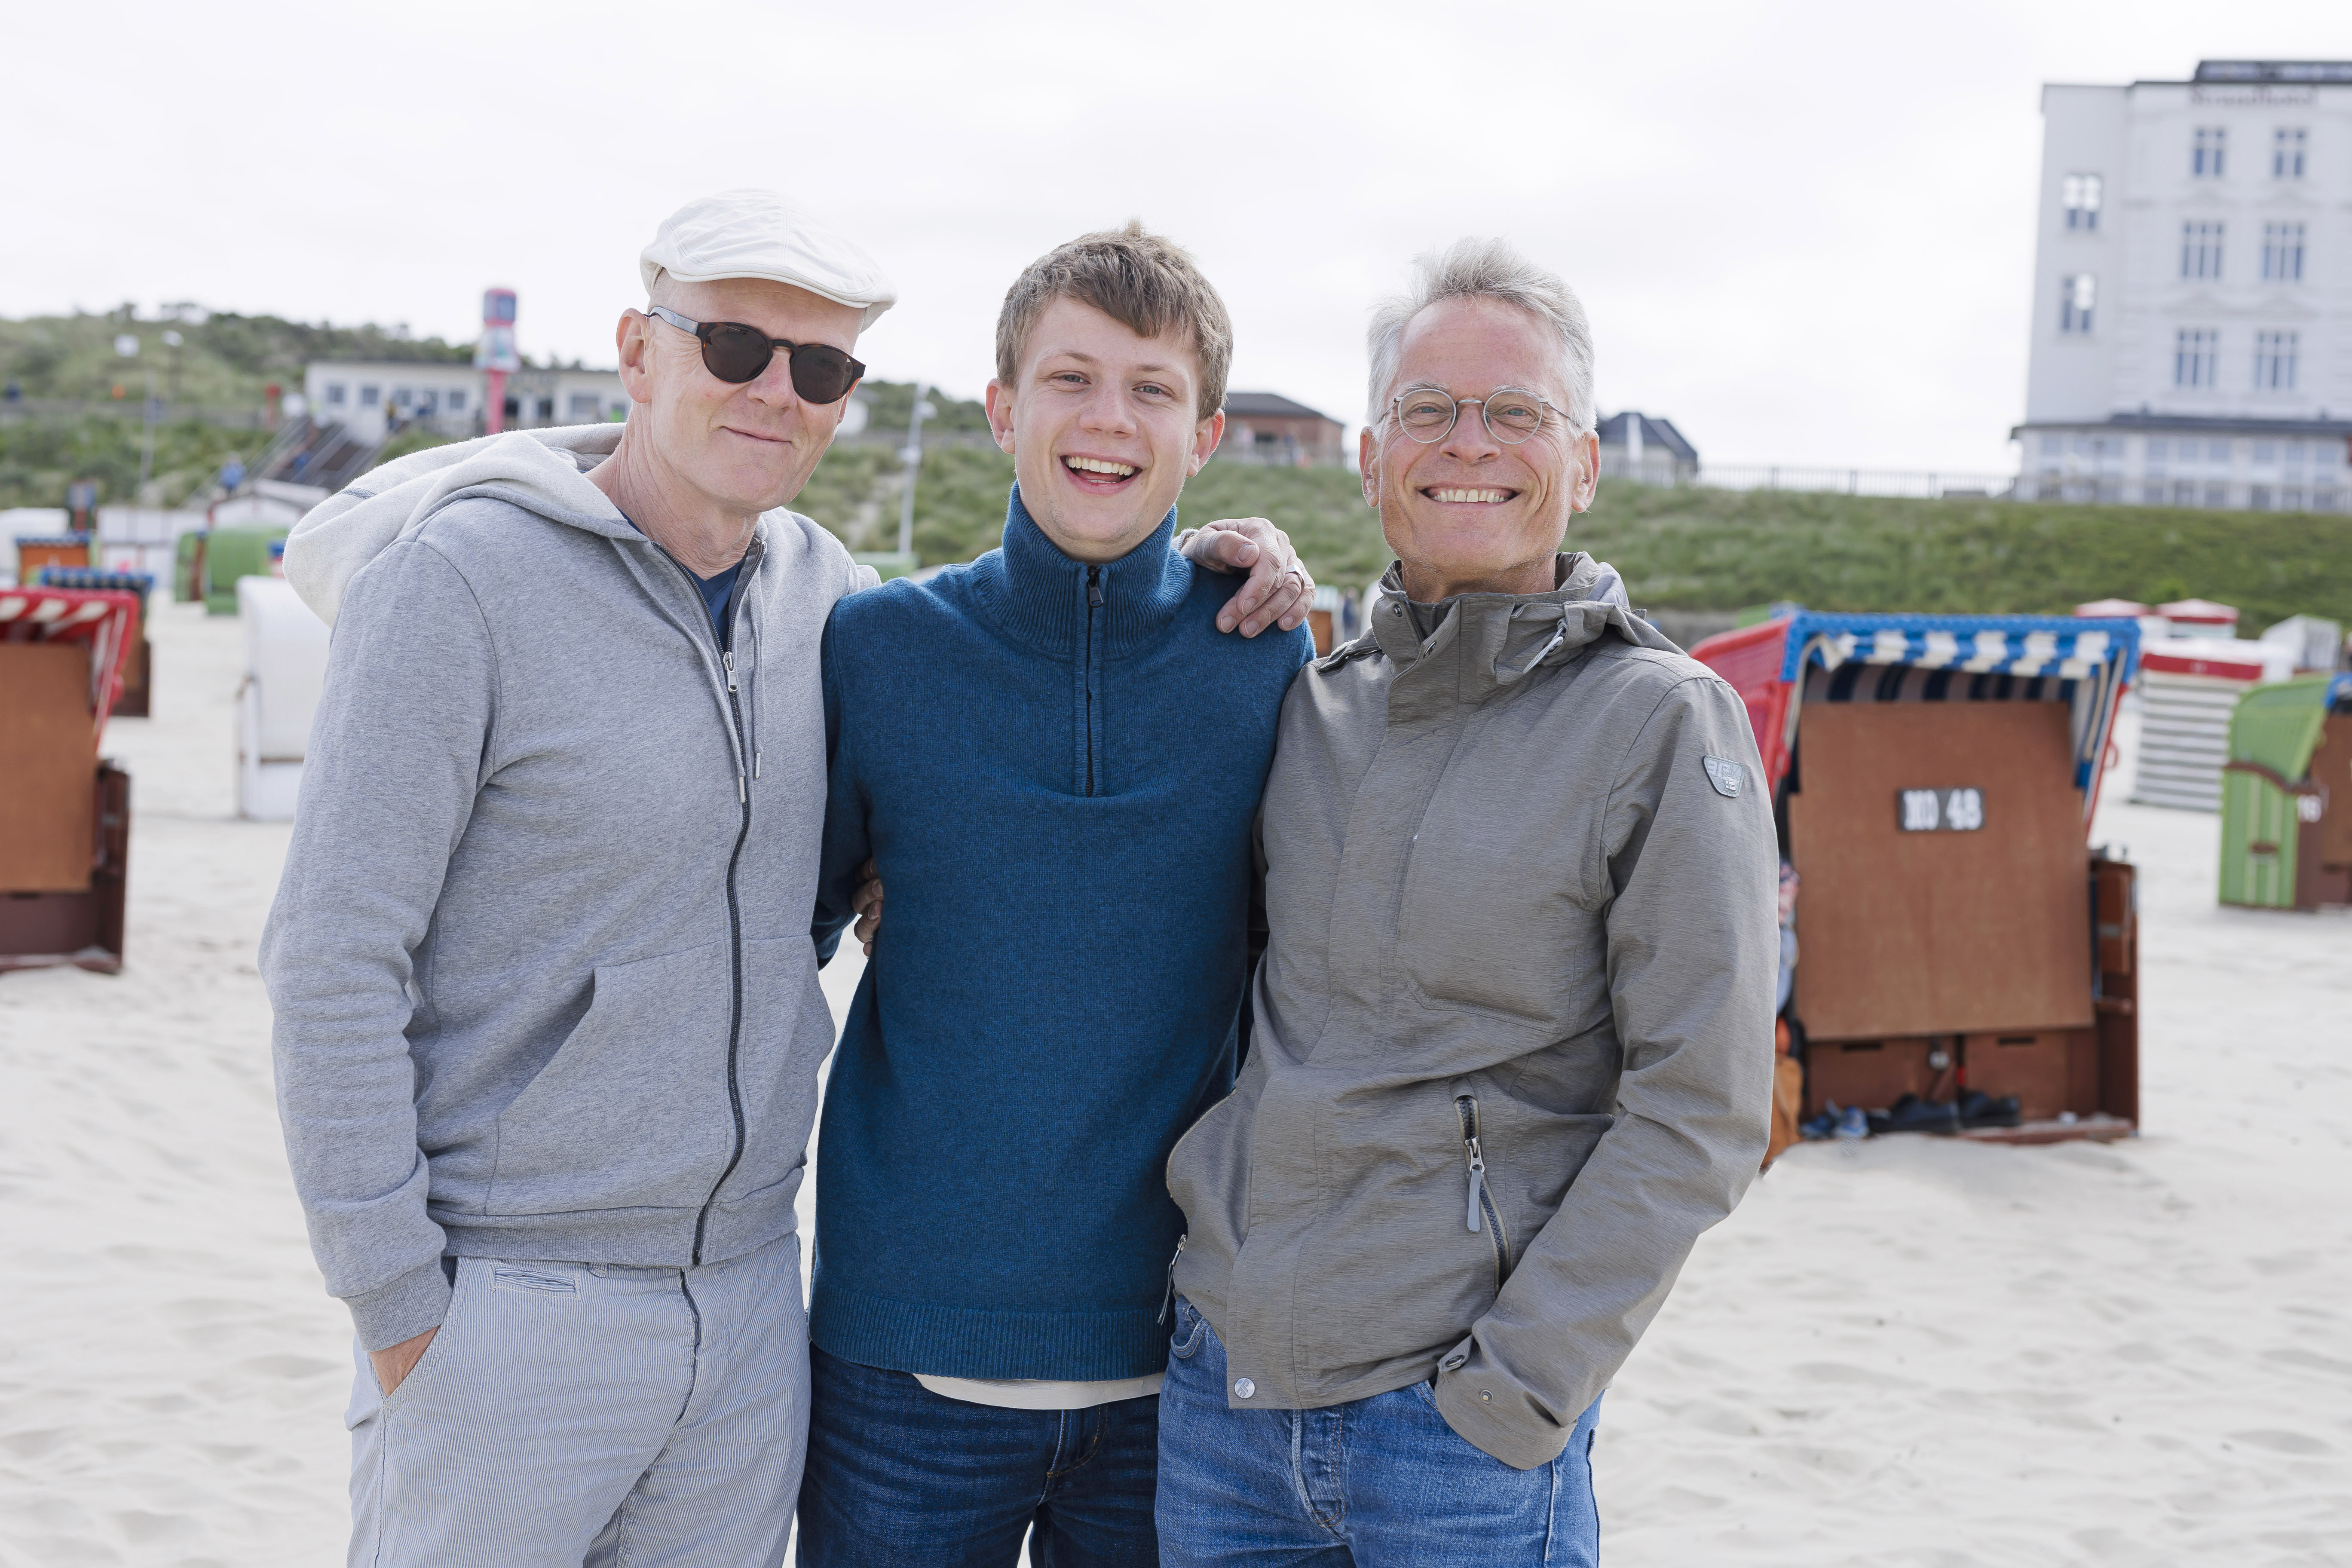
494	353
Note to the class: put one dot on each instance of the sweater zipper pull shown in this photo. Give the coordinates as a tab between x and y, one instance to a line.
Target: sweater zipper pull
1094	587
1167	1296
1476	1221
728	658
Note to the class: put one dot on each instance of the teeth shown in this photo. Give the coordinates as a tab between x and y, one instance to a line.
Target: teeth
1470	495
1098	465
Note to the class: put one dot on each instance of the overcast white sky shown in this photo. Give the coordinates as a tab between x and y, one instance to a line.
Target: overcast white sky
1804	230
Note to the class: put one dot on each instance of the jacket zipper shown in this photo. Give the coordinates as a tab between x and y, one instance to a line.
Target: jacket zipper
1481	1213
1167	1296
1094	602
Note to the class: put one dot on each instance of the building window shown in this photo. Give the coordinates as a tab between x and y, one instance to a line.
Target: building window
2053	445
428	402
2156	453
579	408
2286	152
334	395
2218	452
2259	498
2195	351
2082	195
2217	495
456	400
2274	357
370	396
2266	452
2152	494
2077	293
2323	499
2291	498
2184	492
2200	249
2206	152
2283	252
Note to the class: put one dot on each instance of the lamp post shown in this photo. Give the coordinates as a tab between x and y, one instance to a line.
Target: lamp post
913	457
127	345
494	355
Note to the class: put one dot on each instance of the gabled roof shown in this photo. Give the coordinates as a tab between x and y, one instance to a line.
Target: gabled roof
1269	406
1655	432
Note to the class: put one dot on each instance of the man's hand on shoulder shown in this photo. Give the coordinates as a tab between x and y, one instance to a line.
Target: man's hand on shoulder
395	1362
1278	590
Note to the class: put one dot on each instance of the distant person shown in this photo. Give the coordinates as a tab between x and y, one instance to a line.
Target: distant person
1054	757
547	1014
1512	1048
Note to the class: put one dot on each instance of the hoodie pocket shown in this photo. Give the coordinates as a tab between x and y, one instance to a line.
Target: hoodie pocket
632	1109
787	1030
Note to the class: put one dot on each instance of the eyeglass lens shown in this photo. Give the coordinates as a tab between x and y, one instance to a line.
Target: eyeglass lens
735	352
1511	414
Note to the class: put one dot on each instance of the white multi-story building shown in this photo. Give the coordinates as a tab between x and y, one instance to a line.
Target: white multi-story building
2192	291
372	397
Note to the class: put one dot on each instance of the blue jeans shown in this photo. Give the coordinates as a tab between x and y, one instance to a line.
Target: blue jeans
1379	1483
898	1474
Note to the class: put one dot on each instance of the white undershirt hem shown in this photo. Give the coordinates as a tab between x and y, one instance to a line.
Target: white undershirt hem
1041	1393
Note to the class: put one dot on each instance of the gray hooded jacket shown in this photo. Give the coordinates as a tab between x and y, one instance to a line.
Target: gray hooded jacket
1513	1038
540	957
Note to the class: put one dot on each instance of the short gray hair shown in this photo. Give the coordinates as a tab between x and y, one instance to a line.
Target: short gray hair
1486	269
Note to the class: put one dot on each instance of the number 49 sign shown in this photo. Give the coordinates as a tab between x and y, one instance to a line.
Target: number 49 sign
1940	810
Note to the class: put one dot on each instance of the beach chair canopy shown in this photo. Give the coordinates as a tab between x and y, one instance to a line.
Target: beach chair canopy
99	620
1826	656
2279	726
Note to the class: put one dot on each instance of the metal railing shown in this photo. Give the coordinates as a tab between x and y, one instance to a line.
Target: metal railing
231	416
1917	484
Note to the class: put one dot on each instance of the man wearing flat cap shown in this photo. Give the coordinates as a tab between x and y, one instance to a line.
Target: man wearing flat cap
547	1013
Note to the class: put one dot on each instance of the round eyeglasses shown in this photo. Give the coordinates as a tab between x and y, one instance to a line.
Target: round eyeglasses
1511	414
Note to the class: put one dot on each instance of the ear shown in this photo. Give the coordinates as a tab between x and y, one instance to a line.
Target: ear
1368	466
633	338
999	403
1205	439
1587	478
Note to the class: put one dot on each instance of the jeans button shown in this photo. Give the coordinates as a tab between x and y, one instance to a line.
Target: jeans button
1244	1387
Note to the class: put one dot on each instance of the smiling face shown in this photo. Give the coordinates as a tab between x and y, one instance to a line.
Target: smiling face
1468	513
740	447
1102	429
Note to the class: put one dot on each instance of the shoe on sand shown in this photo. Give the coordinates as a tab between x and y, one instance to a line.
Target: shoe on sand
1820	1126
1852	1123
1912	1114
1978	1108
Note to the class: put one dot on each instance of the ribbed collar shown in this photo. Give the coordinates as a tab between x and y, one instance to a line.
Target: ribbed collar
1039	595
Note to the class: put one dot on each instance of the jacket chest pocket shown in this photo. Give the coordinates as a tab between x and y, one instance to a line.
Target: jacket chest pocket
1491	916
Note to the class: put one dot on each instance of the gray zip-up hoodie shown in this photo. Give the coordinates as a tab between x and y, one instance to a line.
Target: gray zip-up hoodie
540	957
1513	1046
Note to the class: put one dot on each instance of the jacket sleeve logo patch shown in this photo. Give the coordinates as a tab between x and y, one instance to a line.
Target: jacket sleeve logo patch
1726	777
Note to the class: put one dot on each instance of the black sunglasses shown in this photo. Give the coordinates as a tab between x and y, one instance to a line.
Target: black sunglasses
735	352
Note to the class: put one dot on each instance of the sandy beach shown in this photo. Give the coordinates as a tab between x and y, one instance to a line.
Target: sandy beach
1912	1350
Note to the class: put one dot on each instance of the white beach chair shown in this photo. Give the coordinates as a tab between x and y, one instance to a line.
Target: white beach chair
285	669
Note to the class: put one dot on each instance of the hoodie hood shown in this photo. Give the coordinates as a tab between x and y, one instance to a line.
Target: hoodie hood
542	472
1505	636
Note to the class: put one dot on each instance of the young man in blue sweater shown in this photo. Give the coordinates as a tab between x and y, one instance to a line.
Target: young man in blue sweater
1053	756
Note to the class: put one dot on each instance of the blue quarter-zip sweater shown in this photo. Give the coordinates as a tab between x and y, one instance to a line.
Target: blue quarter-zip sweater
1056	767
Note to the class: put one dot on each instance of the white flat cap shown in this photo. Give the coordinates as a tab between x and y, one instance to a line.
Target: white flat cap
757	234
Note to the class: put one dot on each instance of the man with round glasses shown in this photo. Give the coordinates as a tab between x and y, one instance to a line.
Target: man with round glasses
547	1014
1512	1040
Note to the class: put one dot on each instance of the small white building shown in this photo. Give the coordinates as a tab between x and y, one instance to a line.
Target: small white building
372	398
2191	341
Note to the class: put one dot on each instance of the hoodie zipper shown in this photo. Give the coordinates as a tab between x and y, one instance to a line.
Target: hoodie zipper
1481	1213
734	902
1094	602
